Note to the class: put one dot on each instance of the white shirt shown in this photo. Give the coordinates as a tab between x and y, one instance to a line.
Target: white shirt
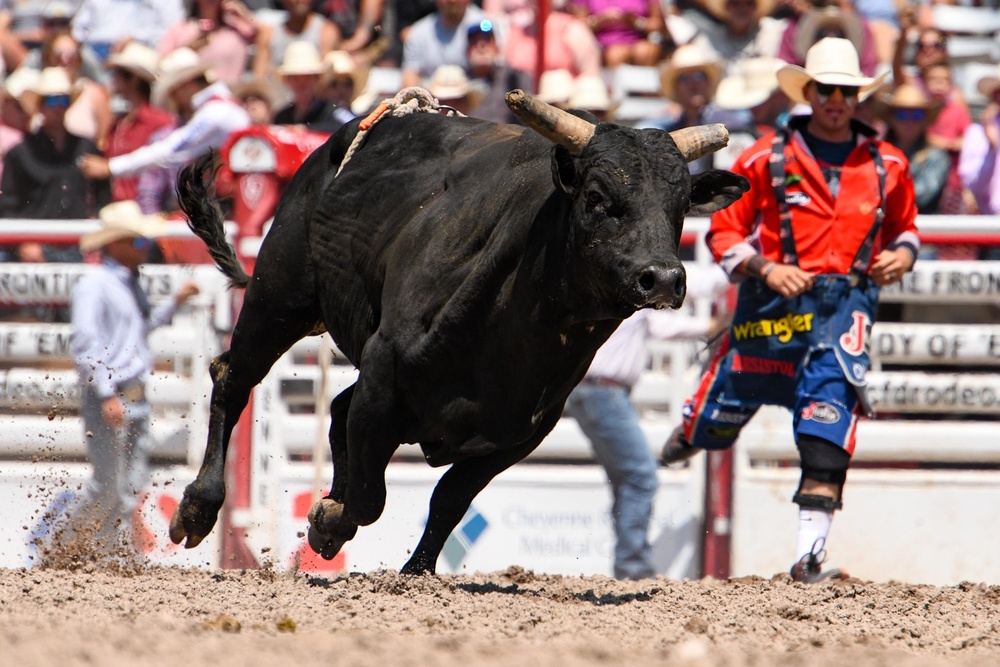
623	356
109	343
217	114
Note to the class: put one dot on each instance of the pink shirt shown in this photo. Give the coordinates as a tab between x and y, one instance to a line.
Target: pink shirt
227	52
616	34
520	47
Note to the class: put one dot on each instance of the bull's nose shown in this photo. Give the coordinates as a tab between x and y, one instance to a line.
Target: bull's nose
661	288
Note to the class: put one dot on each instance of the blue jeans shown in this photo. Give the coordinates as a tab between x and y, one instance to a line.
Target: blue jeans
606	416
120	461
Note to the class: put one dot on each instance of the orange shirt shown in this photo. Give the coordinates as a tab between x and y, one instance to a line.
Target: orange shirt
828	232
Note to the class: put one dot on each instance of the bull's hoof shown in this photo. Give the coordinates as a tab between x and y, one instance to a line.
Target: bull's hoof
194	518
326	515
326	546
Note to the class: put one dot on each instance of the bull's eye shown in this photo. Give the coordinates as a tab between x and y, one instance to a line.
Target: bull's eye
594	197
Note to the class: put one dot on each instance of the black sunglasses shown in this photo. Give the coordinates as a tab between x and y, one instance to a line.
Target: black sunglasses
826	90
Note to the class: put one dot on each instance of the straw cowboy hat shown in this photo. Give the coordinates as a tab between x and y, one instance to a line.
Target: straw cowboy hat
816	22
301	58
989	84
53	81
122	220
265	89
689	58
833	61
718	8
591	94
449	82
555	87
137	59
176	68
751	83
341	63
907	96
20	87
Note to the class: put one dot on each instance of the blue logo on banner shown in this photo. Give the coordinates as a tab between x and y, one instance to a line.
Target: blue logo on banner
459	543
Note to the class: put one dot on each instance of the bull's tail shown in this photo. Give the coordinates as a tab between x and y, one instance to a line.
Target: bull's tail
196	195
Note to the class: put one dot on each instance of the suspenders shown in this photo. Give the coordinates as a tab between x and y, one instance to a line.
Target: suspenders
778	175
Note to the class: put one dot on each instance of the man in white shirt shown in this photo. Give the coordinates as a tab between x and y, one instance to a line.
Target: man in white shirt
213	113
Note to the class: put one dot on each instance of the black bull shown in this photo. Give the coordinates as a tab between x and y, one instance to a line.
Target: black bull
469	271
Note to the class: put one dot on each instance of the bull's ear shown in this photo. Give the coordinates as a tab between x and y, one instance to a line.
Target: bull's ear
715	189
564	173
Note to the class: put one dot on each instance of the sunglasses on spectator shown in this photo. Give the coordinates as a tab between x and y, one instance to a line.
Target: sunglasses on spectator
932	45
55	101
910	114
691	77
825	90
141	243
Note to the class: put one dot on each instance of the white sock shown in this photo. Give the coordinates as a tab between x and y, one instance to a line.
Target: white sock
814	524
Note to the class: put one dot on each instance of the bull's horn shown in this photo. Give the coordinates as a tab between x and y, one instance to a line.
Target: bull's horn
699	141
554	124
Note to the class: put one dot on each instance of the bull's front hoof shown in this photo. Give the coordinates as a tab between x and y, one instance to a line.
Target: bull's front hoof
328	530
193	519
326	546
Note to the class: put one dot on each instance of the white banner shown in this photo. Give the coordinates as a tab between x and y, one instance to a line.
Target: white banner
947	393
895	342
947	282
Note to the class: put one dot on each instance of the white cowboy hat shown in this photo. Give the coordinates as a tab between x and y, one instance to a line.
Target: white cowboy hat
751	83
689	58
591	94
833	61
138	59
449	82
122	220
555	86
301	57
20	86
989	84
176	68
53	81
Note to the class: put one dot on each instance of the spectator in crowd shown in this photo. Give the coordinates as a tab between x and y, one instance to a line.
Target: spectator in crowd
908	112
743	30
601	406
17	106
978	166
828	18
220	31
355	21
399	16
209	111
23	21
439	39
133	70
259	99
489	70
690	78
555	87
947	130
930	48
89	114
100	25
450	85
630	32
590	94
300	71
815	272
56	18
751	87
301	24
111	319
569	43
342	84
41	176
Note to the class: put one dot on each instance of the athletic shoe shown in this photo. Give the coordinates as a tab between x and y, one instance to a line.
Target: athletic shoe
677	449
809	570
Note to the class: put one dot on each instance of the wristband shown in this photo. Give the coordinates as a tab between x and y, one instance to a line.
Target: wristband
766	270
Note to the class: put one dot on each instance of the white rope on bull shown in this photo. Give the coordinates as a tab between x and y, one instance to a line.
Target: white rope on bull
409	100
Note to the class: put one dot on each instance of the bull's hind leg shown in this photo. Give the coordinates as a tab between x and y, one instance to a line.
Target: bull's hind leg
456	490
327	530
263	333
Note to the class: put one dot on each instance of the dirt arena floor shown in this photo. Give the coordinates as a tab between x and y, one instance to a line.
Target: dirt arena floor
96	616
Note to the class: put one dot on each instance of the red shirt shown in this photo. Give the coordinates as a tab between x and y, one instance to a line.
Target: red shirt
128	133
828	232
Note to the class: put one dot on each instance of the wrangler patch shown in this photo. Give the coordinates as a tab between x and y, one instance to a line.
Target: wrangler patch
746	364
784	328
797	198
824	413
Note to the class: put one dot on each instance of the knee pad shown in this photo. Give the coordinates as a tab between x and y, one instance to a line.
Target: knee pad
821	461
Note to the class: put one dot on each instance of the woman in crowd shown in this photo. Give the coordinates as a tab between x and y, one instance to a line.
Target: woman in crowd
89	115
629	31
221	31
